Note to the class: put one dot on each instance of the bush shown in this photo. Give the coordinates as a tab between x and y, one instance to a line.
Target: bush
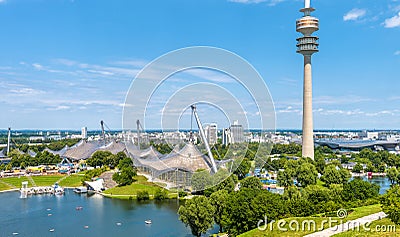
125	177
182	194
161	194
142	195
391	204
358	189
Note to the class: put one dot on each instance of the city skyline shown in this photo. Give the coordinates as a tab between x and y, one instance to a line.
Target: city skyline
68	64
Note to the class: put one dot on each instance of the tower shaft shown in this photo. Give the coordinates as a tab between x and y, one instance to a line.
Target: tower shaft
307	45
308	140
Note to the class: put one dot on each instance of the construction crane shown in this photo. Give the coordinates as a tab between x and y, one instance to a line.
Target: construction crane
103	134
203	137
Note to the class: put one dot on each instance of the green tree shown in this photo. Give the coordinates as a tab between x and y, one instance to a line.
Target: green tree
246	207
300	207
240	167
198	214
142	195
344	159
161	194
251	182
125	162
307	174
335	175
225	180
285	178
125	176
381	168
219	200
358	168
201	180
358	189
99	158
370	168
291	193
391	204
392	174
320	163
317	195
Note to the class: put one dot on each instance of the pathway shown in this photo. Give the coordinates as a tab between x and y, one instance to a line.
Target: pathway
10	185
31	180
62	178
108	181
350	225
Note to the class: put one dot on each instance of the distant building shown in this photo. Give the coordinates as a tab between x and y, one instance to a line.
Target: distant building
226	136
36	139
84	133
372	135
237	132
211	133
233	134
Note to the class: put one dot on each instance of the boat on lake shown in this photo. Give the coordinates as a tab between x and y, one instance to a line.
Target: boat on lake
147	222
81	189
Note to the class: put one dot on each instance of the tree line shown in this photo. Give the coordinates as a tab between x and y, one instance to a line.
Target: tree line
239	211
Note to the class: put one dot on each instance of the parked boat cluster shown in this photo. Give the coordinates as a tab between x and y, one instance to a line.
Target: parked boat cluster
54	190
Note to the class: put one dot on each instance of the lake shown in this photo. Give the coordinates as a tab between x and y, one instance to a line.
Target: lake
37	214
381	181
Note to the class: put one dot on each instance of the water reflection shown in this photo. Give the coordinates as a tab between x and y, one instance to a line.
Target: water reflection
98	216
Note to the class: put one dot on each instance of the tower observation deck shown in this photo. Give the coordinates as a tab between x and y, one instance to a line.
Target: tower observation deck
307	45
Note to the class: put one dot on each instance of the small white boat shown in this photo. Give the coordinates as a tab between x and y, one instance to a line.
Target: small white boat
59	191
51	230
80	190
147	222
119	223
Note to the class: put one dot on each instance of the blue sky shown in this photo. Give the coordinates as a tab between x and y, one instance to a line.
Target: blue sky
66	64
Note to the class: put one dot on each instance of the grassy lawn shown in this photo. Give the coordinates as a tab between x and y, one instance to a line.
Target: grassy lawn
4	186
71	181
130	191
16	181
356	213
384	227
46	180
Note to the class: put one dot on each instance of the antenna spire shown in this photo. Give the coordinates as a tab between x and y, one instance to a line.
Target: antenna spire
307	3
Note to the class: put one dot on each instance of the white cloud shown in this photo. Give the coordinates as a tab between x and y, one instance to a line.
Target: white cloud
26	91
392	22
60	107
269	2
1	1
104	73
37	66
354	14
397	52
289	109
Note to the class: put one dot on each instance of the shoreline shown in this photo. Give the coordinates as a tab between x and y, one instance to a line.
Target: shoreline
10	190
17	189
